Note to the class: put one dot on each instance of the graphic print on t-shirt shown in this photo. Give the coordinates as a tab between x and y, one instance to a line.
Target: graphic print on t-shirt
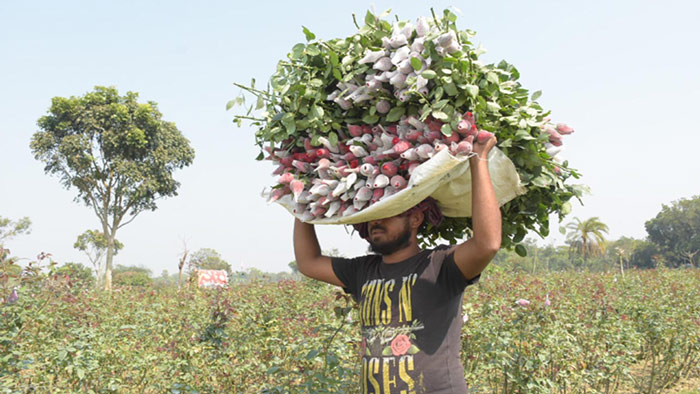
388	350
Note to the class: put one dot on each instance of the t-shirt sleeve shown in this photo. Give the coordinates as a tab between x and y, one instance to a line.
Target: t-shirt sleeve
452	277
347	271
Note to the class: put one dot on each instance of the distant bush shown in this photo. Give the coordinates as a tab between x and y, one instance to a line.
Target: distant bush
78	273
132	278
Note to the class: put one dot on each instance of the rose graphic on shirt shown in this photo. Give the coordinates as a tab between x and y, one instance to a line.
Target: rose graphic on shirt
400	345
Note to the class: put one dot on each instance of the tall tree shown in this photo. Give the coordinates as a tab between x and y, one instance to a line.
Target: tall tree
94	244
676	231
118	154
586	237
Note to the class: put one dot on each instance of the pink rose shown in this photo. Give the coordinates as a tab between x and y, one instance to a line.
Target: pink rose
400	345
522	302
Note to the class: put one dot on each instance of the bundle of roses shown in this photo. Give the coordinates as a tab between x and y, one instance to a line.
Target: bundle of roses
346	121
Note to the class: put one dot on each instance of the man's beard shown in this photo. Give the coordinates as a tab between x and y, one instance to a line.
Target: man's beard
403	240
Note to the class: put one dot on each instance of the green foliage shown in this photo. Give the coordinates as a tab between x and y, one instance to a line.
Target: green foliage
78	273
676	231
208	259
10	229
294	107
303	336
95	243
132	278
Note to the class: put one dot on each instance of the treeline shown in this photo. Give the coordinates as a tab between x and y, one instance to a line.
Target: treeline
673	241
623	253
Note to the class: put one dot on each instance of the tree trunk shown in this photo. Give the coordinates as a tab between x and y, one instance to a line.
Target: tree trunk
622	268
100	274
180	266
108	262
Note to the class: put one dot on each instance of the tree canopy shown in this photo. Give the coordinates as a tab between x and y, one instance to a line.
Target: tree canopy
10	229
586	237
209	259
118	154
676	231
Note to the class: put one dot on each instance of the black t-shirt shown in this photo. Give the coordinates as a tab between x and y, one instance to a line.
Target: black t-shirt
410	314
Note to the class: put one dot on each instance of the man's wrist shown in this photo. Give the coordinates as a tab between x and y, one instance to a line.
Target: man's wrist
476	158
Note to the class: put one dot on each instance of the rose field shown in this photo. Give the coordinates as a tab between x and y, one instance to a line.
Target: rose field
566	332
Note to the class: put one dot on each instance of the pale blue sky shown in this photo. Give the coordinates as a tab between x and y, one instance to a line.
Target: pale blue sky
622	73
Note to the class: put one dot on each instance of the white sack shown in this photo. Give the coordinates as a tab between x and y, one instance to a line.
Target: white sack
445	178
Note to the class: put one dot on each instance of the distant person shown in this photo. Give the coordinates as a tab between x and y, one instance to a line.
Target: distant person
410	300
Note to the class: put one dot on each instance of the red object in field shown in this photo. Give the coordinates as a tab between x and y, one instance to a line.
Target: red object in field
212	278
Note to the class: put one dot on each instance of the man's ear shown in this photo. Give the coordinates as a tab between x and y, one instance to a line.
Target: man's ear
416	220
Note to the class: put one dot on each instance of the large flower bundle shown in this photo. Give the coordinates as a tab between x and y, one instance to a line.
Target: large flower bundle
349	121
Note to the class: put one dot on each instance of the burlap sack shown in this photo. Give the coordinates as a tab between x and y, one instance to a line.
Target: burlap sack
445	178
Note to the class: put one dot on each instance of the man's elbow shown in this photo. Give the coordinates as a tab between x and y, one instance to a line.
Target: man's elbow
489	245
305	266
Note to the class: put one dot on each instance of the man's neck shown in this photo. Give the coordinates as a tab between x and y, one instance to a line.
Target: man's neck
401	255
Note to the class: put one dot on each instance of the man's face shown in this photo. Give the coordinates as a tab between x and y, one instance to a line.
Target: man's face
389	235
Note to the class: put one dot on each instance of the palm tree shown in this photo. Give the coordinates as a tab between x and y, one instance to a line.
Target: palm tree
586	237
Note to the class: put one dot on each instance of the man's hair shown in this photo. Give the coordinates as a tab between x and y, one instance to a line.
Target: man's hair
429	207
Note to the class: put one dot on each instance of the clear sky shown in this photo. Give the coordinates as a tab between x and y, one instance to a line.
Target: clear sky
624	74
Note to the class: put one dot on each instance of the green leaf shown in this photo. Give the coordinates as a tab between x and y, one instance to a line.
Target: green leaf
260	156
395	114
520	250
523	135
289	123
387	351
333	58
230	104
333	138
492	77
566	208
370	119
317	112
451	89
440	115
472	90
428	74
413	349
416	63
272	370
370	18
260	103
337	75
440	104
446	129
492	106
313	50
298	50
309	35
536	95
311	354
541	181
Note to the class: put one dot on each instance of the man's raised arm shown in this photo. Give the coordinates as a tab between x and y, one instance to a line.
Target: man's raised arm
475	254
307	252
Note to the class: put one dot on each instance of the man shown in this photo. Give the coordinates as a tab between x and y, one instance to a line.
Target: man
410	300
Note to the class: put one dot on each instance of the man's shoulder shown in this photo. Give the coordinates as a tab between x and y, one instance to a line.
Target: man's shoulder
441	251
